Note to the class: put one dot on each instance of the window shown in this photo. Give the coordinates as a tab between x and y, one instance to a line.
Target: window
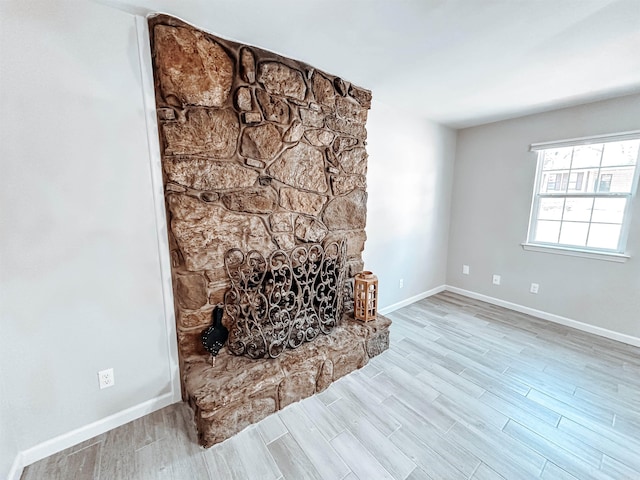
583	193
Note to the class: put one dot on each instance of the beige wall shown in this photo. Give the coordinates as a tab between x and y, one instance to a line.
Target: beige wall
80	281
492	193
409	183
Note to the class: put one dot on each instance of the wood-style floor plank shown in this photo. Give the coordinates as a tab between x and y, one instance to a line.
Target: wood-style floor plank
485	473
291	459
467	390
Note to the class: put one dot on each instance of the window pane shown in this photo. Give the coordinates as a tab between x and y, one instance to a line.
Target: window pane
547	231
604	182
587	156
589	180
604	236
550	208
620	153
616	179
557	159
576	180
578	209
551	183
574	233
609	210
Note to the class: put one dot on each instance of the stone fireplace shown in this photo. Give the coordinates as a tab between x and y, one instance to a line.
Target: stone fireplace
263	158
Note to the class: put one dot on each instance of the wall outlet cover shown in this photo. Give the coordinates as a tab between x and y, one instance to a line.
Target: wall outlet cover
106	378
496	279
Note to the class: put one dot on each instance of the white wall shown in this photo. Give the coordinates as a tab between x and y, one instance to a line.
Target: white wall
80	277
492	193
409	185
8	446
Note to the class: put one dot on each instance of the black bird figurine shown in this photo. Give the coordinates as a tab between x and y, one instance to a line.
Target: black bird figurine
213	337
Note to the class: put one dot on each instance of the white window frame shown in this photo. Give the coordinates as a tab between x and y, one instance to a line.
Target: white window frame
618	254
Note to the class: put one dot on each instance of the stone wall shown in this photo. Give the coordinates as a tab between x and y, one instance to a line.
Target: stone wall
259	152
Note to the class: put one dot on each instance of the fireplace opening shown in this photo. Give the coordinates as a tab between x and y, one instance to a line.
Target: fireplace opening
283	300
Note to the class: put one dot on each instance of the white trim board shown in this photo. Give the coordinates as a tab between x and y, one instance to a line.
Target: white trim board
155	172
74	437
410	300
567	322
15	472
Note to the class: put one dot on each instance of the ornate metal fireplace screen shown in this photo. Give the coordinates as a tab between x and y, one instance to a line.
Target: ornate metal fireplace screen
284	300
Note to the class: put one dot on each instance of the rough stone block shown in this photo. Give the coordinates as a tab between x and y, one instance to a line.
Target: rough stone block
351	110
346	213
166	114
247	65
279	79
377	343
354	267
285	241
193	69
294	133
311	118
200	318
301	202
243	99
234	418
273	108
346	126
261	142
323	90
309	229
209	197
249	118
343	143
298	384
172	187
354	161
341	184
250	162
205	231
191	291
218	289
281	222
205	174
319	137
251	200
301	166
325	376
205	132
342	87
361	95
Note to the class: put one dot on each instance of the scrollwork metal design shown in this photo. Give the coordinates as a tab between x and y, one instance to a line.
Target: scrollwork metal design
284	300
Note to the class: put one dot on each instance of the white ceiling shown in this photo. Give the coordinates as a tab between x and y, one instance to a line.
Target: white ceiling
457	62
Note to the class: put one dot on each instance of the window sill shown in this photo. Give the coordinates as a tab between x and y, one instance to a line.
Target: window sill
573	252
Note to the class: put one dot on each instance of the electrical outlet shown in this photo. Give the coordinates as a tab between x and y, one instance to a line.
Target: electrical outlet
534	288
465	269
106	378
496	279
401	283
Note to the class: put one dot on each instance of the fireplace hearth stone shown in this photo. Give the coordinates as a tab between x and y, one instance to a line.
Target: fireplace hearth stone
238	391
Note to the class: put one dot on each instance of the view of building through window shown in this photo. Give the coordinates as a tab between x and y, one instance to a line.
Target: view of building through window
583	193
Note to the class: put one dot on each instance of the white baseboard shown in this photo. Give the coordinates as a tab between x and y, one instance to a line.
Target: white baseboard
567	322
410	300
69	439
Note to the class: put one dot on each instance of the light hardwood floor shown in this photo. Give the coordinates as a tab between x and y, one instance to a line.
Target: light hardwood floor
467	390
